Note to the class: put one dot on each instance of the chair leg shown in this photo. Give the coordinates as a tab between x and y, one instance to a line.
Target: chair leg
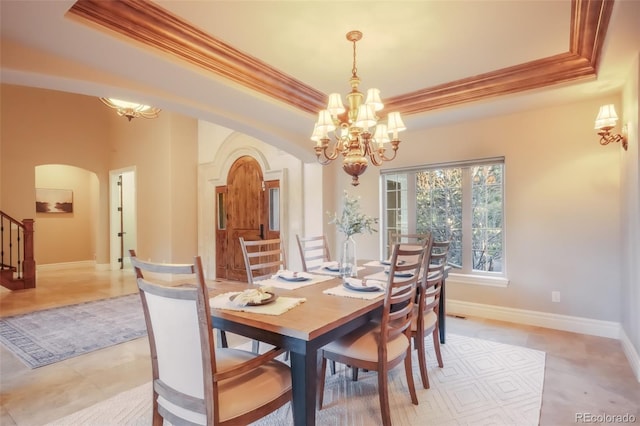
418	341
354	374
383	394
222	338
255	346
321	380
436	346
409	373
157	418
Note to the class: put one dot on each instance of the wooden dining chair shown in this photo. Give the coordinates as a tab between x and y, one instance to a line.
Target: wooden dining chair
193	382
441	247
399	238
421	239
262	258
313	251
409	240
381	345
425	316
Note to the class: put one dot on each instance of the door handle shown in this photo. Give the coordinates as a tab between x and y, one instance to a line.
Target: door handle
261	231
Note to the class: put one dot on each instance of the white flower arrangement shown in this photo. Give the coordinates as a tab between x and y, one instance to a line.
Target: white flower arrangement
352	221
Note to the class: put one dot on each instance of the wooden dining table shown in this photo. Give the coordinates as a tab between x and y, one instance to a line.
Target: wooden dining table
302	331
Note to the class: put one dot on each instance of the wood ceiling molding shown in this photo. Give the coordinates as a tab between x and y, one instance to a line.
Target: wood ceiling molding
562	68
589	23
145	22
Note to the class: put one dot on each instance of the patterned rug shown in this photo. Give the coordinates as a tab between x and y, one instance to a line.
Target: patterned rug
53	335
482	383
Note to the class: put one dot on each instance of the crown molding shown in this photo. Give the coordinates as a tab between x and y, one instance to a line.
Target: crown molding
146	23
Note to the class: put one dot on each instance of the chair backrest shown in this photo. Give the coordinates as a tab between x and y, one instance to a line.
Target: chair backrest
262	258
400	292
398	238
430	297
313	251
441	248
432	276
421	240
180	334
439	253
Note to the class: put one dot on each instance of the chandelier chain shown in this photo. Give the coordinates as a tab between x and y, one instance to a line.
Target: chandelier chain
354	69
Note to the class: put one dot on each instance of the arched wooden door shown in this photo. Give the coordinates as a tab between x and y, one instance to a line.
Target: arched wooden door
246	207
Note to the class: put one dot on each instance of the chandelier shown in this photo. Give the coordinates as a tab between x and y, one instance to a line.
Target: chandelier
356	130
131	109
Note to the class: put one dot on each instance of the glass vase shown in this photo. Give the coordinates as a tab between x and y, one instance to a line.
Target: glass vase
348	258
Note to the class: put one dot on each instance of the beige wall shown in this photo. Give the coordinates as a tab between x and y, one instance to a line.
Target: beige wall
563	201
630	215
40	127
49	127
164	153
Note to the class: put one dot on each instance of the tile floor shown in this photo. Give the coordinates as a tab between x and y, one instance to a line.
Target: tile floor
584	374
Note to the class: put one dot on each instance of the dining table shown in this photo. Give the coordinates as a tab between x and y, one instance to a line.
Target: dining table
302	330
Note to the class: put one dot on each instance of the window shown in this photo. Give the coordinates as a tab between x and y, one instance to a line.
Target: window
220	202
396	202
274	209
460	202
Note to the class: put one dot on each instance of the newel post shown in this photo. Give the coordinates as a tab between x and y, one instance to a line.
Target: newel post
29	264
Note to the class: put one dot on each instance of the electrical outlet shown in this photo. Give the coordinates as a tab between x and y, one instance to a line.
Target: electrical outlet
555	296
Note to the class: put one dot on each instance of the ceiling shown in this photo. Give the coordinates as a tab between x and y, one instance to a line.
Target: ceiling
265	67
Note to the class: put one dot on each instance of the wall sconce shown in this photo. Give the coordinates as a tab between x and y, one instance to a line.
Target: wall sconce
605	121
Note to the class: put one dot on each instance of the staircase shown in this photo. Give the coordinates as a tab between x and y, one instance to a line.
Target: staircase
17	266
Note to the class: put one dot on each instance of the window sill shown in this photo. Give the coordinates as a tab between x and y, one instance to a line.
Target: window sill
478	280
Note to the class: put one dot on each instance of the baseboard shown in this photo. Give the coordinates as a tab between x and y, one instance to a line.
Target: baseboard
65	265
632	354
541	319
74	265
554	321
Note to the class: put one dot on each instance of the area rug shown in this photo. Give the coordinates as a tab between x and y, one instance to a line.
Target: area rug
482	383
52	335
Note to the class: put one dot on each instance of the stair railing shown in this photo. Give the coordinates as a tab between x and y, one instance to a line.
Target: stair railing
17	248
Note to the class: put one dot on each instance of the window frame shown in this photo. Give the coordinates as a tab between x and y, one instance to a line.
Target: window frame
466	274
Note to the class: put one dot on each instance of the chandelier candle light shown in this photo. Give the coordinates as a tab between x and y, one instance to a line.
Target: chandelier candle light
359	127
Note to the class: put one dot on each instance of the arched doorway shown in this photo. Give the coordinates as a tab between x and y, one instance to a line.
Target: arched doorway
247	206
75	229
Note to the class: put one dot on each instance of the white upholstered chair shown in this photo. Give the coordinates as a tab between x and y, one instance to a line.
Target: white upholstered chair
194	382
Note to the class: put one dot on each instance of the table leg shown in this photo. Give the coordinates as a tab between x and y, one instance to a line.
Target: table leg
304	382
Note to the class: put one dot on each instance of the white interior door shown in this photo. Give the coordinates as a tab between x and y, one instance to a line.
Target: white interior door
122	208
